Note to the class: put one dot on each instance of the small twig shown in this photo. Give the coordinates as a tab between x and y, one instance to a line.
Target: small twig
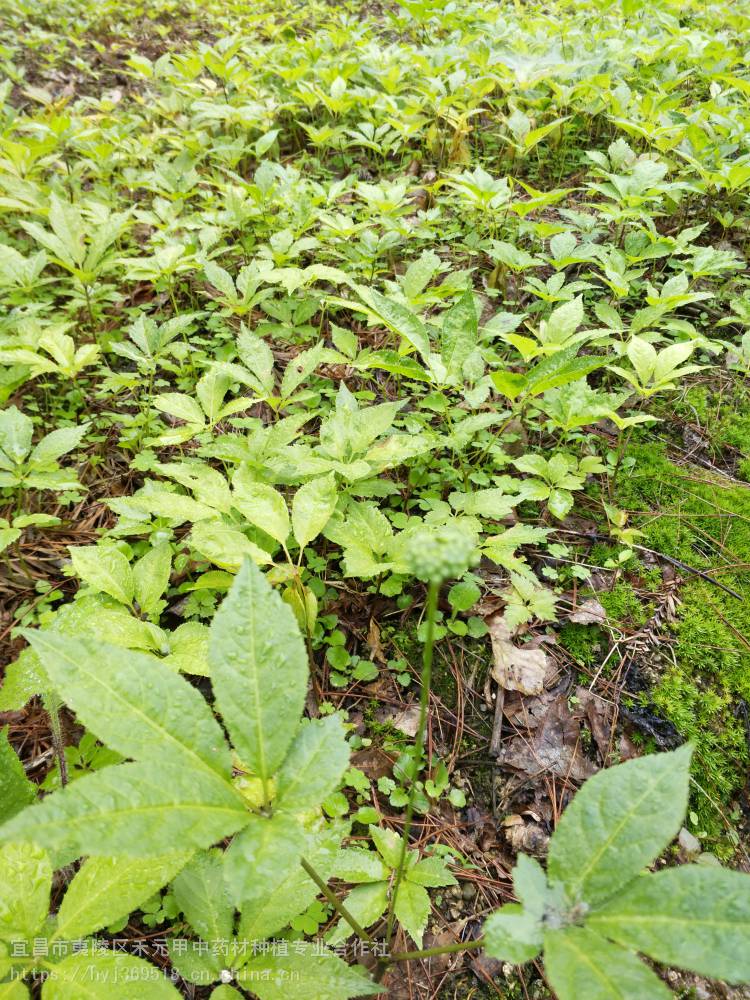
52	704
497	725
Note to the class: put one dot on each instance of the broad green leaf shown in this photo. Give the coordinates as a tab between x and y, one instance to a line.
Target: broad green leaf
262	505
193	963
14	990
174	507
201	894
178	405
137	810
619	821
312	507
388	843
56	444
25	883
16	431
642	356
225	993
106	889
259	671
431	872
492	503
559	369
354	865
105	569
306	973
513	934
16	791
580	964
260	856
459	334
151	576
226	547
366	904
314	765
294	890
695	917
133	703
107	976
400	320
412	909
530	885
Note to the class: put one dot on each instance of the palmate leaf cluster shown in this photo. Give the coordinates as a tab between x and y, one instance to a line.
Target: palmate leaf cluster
594	908
176	788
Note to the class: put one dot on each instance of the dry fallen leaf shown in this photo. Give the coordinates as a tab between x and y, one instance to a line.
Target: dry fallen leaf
591	612
515	668
374	644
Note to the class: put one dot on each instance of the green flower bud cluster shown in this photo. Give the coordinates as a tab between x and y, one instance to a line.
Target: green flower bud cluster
441	553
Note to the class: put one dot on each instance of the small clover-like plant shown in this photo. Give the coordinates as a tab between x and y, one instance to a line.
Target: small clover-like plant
597	906
372	875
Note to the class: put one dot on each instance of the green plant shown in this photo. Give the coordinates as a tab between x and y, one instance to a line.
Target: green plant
595	907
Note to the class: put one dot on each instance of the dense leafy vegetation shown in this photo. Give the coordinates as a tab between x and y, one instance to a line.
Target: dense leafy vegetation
337	342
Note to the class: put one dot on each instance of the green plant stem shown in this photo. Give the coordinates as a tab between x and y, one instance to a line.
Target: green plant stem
424	698
335	902
444	949
52	705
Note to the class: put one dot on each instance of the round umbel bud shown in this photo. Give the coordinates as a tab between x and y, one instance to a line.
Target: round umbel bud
444	552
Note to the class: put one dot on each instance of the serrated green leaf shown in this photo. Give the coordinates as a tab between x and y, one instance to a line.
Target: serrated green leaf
151	576
16	791
260	856
305	973
137	810
312	507
25	884
412	909
259	671
366	904
105	569
105	889
512	934
196	963
262	505
56	444
354	865
581	964
107	976
619	821
16	432
695	917
201	894
14	990
459	334
133	703
388	844
314	766
226	547
431	872
530	885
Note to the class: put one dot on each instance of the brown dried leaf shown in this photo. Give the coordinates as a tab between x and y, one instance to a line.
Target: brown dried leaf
515	668
591	612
